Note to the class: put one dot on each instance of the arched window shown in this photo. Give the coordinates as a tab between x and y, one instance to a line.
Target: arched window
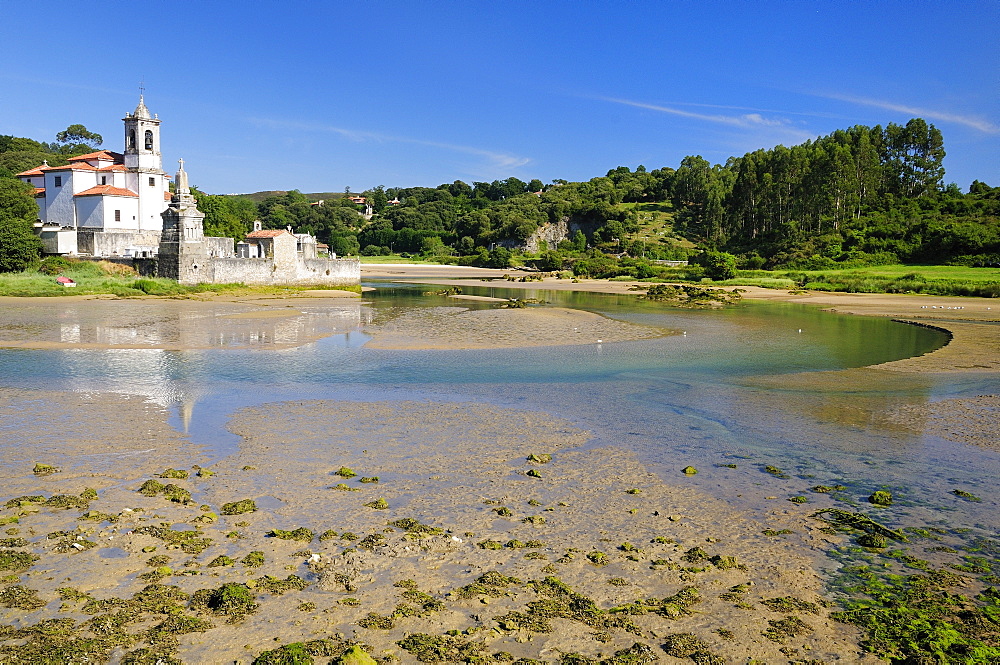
131	140
149	140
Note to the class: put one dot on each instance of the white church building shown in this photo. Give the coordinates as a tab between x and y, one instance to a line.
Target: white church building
105	203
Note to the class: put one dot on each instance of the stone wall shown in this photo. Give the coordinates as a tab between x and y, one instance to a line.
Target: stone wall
327	272
106	243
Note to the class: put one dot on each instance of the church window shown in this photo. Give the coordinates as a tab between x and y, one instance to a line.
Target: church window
131	140
118	215
149	140
58	182
152	182
104	179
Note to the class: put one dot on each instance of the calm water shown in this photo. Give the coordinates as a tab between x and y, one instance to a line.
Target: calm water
704	396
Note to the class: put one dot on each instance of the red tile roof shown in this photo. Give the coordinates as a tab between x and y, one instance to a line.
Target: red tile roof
107	190
105	155
35	171
167	196
39	192
113	167
266	233
75	166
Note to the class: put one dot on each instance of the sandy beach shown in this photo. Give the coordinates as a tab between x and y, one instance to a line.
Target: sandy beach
486	530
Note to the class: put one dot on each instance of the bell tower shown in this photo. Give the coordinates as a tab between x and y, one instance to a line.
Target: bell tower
142	140
144	166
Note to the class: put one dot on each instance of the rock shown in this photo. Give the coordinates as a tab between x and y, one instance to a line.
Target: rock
355	656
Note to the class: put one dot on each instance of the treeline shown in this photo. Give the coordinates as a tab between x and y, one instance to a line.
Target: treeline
866	195
860	196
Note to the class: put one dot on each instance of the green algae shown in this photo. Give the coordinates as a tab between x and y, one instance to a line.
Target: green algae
598	558
415	528
671	607
277	586
503	511
775	471
345	472
533	473
966	495
543	458
301	534
917	617
559	601
772	532
368	479
190	542
782	629
789	604
354	655
686	645
221	560
442	648
151	488
21	598
860	522
239	507
89	494
799	499
826	489
689	471
233	600
177	474
534	519
45	469
880	498
176	494
872	540
378	504
254	559
492	583
22	501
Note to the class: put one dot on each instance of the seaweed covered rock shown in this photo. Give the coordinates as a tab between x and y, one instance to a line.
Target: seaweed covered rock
355	656
239	507
880	498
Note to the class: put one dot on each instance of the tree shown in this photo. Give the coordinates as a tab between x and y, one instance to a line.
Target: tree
78	134
499	257
19	246
719	265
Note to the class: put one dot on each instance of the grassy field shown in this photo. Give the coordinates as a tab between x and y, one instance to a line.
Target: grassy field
394	258
930	280
656	223
102	278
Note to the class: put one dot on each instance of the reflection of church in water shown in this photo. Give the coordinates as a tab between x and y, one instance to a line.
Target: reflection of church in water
118	206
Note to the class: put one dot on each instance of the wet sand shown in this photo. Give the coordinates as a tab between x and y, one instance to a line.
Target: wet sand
458	468
462	328
653	536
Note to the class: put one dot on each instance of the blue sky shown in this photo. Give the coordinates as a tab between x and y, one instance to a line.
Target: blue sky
323	96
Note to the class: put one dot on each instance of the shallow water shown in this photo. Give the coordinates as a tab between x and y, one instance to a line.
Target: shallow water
748	385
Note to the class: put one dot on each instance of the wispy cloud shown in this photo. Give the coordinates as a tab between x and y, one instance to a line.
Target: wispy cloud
499	160
941	116
745	120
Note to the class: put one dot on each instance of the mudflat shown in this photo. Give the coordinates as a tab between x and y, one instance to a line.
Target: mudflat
479	529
